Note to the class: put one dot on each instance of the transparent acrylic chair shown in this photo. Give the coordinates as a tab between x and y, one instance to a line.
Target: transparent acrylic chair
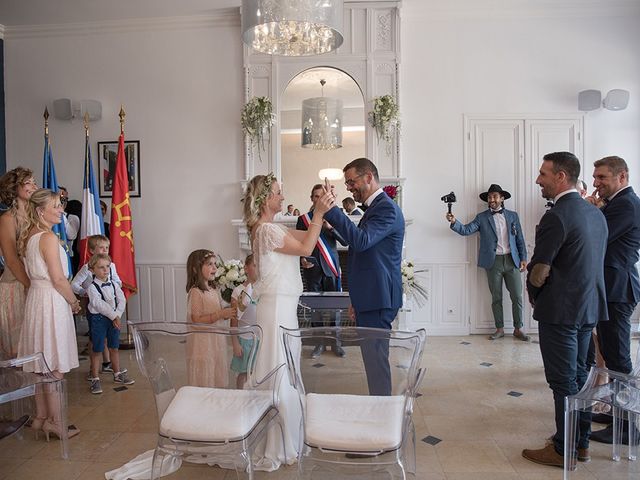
16	384
622	393
357	409
202	414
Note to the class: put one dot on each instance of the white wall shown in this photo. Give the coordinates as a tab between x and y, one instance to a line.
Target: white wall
181	86
465	61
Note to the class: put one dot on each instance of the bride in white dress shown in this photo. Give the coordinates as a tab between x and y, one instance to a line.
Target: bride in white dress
277	251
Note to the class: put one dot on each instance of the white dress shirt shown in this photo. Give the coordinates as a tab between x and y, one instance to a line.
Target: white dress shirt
84	277
502	232
113	303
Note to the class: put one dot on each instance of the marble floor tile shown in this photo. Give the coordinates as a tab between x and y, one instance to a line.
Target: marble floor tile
482	430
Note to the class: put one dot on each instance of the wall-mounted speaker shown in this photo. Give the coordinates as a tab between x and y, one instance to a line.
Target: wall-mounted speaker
616	99
589	100
92	107
63	109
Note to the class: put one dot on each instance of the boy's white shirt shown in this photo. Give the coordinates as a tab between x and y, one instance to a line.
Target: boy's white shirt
248	315
84	277
106	307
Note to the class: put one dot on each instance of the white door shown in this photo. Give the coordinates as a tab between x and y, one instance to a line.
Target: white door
508	151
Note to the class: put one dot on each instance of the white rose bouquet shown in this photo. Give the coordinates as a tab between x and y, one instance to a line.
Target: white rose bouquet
228	276
410	284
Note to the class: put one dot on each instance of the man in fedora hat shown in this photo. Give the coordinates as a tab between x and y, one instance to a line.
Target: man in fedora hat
502	254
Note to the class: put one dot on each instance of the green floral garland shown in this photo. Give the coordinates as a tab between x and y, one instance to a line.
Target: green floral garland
257	118
385	118
266	190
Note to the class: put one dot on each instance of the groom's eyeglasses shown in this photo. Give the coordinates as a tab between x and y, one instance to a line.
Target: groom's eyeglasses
351	182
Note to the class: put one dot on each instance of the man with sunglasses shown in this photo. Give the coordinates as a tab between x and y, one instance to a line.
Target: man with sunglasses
375	254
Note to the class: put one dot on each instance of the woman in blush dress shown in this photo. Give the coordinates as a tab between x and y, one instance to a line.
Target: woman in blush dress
207	359
16	186
48	313
277	250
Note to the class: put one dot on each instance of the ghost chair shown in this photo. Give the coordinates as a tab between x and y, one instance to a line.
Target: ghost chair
17	384
356	410
201	413
622	393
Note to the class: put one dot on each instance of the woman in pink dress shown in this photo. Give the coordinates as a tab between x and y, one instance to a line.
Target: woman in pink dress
48	313
207	359
16	186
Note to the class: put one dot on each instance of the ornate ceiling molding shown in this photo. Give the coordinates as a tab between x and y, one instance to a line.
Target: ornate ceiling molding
222	18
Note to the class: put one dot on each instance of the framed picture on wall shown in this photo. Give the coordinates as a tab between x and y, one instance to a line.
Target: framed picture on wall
107	154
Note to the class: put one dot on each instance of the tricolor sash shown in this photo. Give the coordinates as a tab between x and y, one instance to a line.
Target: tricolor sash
324	250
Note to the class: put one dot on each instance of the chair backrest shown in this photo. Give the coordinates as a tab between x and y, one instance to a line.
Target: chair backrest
16	382
173	355
636	369
349	375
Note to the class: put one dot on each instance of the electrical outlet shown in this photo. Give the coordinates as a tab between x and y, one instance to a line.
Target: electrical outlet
451	310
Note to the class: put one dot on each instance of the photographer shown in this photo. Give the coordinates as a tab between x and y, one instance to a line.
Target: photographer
502	254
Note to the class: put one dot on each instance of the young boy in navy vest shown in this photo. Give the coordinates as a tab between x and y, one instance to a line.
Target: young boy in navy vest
106	306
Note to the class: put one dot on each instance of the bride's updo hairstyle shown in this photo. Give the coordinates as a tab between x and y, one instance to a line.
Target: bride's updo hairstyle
38	201
258	191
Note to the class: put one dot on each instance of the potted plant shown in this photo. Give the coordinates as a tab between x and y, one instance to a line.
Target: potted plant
257	118
385	118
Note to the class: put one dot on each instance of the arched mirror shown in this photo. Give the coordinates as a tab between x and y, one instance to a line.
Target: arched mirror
322	126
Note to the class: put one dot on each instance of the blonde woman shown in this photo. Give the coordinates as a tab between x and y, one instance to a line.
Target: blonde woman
277	250
48	314
16	186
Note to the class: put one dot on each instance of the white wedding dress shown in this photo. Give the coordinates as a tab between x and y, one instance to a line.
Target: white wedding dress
277	291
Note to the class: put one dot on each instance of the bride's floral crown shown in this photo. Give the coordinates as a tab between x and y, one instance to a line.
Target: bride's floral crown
265	191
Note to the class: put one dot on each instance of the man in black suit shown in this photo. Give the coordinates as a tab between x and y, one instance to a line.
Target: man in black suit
322	270
621	208
565	282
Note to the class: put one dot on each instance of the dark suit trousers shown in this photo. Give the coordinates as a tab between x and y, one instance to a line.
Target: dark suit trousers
564	355
615	337
375	353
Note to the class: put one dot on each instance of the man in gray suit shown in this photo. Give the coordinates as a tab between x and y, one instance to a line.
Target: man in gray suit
566	289
502	254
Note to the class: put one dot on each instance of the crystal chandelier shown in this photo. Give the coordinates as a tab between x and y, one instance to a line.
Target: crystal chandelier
322	122
292	27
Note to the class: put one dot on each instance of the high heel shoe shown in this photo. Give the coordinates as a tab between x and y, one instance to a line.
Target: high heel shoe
36	425
54	428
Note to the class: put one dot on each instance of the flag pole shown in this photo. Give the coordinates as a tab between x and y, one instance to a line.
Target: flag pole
128	343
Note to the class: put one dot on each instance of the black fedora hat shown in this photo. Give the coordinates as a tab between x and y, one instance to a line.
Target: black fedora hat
494	188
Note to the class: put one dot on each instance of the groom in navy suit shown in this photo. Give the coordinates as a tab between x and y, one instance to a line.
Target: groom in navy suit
502	254
375	254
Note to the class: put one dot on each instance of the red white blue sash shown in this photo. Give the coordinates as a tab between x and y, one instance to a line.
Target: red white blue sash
324	250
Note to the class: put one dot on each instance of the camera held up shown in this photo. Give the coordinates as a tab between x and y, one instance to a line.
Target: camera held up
449	198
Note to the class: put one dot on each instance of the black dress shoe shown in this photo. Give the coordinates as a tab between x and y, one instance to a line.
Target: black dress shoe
9	428
606	435
602	418
338	351
318	351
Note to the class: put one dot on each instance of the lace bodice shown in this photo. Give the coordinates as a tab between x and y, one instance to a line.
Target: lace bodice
35	264
278	273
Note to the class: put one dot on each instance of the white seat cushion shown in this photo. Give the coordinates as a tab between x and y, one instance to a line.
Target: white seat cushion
214	414
354	422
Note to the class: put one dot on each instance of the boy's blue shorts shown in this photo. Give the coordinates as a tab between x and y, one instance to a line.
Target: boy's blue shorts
100	327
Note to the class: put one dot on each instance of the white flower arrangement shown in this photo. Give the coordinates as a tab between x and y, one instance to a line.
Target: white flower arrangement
410	284
385	118
228	276
257	118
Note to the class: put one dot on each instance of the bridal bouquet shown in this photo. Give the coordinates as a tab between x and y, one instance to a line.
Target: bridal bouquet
228	276
410	285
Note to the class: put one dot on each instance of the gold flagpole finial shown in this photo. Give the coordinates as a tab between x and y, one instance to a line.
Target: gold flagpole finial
85	119
121	115
46	121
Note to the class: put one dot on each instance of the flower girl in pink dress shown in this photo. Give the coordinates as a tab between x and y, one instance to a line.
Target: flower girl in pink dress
207	359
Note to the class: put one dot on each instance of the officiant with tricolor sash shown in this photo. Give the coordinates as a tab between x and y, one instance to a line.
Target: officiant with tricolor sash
321	270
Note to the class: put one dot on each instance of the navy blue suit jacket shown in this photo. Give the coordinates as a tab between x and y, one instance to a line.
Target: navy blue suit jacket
620	273
571	238
375	254
489	238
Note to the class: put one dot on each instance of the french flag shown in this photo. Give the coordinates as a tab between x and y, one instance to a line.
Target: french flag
92	222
